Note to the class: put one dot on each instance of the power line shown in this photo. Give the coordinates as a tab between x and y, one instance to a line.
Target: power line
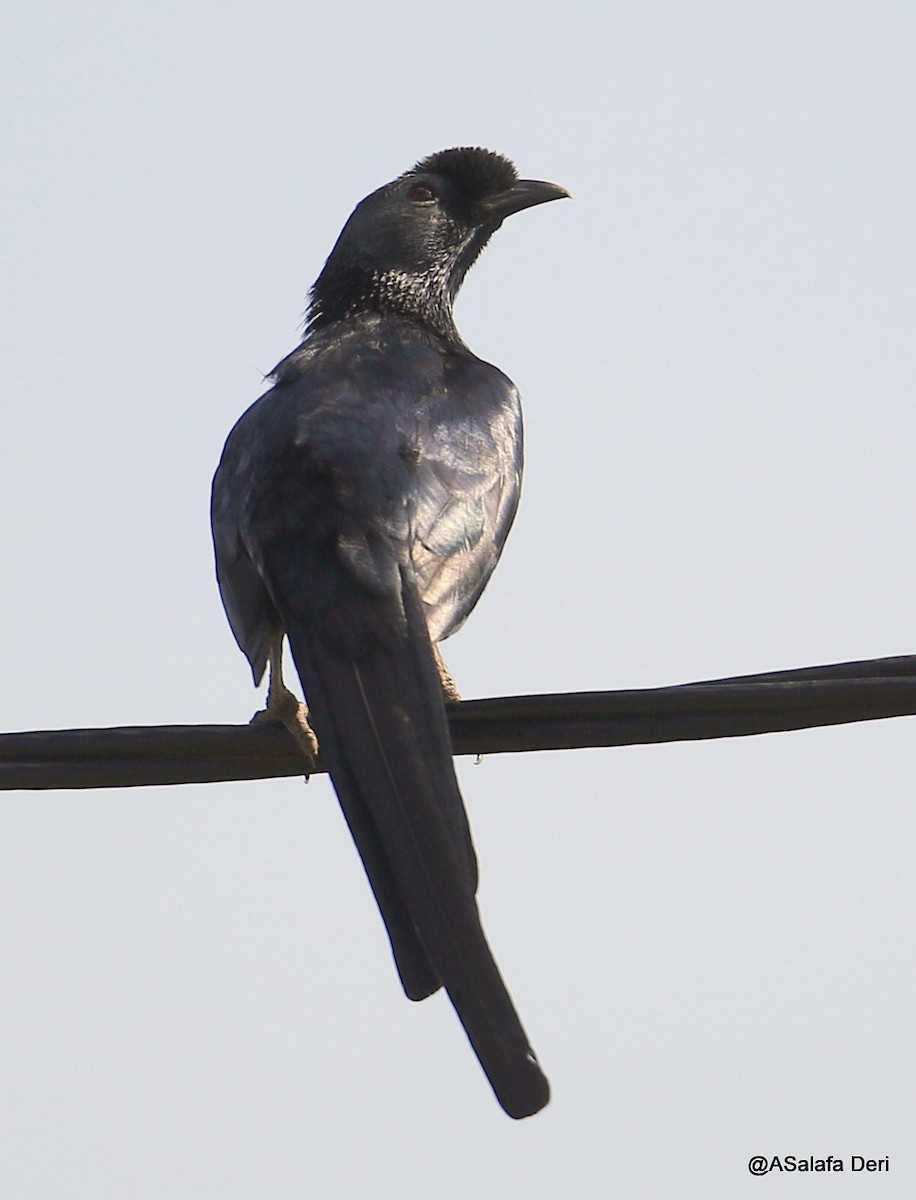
739	706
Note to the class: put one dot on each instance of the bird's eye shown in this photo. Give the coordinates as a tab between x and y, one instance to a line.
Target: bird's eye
421	193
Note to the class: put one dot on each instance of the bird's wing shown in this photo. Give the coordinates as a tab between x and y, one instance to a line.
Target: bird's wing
246	600
467	494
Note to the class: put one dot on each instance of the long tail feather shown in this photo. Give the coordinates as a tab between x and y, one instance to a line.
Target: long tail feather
383	733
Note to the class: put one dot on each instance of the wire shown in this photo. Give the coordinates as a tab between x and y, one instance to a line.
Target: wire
739	706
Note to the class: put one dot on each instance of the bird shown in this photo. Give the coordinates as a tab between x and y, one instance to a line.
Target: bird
358	510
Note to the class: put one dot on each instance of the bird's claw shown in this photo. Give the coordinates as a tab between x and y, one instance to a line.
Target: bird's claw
449	686
285	708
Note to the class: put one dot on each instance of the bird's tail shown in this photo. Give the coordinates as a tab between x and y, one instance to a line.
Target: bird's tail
383	734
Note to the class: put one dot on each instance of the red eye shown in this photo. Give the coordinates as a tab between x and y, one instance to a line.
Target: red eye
421	193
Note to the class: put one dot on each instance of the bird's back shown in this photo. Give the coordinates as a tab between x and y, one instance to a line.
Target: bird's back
377	446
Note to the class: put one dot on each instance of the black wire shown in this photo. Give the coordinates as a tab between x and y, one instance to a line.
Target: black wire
739	706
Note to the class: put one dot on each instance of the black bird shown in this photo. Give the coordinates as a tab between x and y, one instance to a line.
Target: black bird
359	508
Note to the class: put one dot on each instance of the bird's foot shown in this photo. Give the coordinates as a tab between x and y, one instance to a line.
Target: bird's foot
284	707
449	686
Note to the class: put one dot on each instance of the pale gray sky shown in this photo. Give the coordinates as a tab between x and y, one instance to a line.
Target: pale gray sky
710	945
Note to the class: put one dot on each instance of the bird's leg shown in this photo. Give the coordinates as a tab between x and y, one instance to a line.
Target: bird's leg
284	706
449	687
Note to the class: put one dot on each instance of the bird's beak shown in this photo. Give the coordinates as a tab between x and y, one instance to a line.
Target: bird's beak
523	194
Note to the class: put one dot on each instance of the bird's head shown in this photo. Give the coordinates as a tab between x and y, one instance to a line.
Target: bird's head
407	247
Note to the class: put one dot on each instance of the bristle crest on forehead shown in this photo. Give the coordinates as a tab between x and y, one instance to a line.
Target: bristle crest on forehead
475	172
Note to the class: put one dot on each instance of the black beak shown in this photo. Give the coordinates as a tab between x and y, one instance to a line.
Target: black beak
523	194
